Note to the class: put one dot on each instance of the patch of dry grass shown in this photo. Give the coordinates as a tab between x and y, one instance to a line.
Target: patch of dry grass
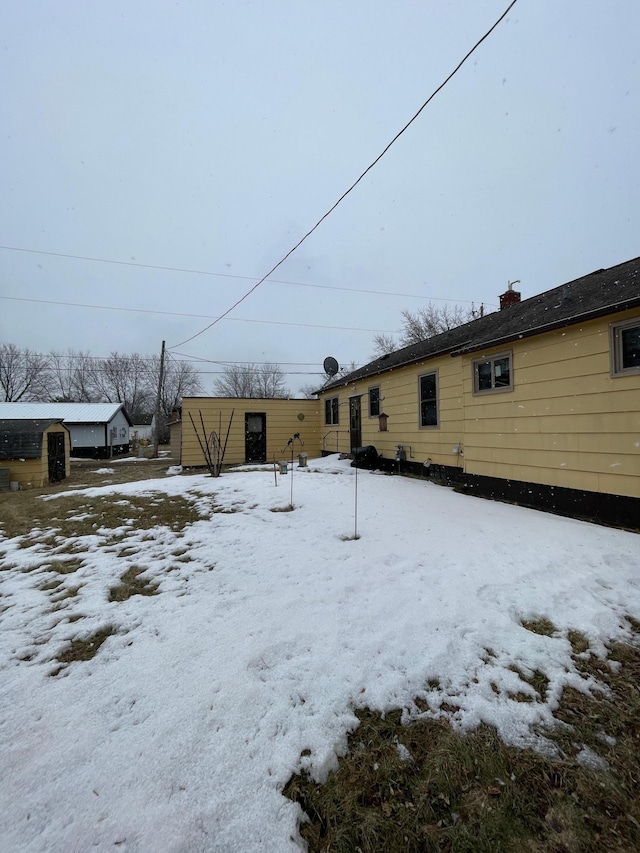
131	583
57	525
24	510
83	649
423	787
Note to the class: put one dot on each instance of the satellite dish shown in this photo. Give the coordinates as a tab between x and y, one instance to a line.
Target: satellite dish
330	366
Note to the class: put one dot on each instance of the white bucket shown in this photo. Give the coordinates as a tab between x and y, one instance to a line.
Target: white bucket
14	485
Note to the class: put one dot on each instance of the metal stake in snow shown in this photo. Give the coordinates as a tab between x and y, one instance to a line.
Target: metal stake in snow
355	514
291	444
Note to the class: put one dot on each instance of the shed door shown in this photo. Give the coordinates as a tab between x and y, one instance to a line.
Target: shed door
255	437
55	442
355	423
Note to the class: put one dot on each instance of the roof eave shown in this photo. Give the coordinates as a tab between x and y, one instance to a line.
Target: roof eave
616	308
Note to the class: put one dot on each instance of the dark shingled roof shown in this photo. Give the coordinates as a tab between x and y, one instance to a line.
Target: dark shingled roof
22	439
594	295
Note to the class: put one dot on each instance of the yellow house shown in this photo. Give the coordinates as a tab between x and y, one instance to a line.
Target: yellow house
36	452
538	403
249	430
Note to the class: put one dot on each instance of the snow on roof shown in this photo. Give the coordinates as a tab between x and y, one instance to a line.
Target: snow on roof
70	413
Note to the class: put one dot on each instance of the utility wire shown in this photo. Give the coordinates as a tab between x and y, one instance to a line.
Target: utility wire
356	182
230	275
203	316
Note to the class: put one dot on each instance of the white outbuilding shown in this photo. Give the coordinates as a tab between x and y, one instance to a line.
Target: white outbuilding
97	430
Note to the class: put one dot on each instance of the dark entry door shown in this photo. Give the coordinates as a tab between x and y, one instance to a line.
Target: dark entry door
56	457
355	423
255	437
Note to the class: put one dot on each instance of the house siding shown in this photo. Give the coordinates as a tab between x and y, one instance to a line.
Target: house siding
96	440
566	423
282	422
399	393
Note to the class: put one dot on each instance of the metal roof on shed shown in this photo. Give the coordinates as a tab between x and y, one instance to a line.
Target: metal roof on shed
70	413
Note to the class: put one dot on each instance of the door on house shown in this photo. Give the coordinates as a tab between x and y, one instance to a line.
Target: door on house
355	423
255	437
56	456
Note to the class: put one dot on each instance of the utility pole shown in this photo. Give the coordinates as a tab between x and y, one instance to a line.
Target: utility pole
158	402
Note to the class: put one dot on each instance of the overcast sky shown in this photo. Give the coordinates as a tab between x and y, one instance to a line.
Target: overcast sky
211	136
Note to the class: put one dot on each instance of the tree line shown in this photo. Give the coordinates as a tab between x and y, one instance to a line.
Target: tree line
74	376
78	377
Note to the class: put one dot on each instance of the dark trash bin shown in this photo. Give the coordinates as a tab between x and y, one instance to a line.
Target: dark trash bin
365	457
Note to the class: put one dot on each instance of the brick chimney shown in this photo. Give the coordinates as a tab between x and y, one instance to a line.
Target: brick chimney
510	296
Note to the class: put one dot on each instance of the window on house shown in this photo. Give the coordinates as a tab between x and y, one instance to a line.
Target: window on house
625	347
493	374
374	402
331	411
428	389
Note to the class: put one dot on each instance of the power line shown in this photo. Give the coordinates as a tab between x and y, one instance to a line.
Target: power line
184	359
82	357
196	360
357	181
229	275
201	316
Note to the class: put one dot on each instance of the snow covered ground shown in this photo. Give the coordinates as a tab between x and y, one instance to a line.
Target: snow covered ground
268	630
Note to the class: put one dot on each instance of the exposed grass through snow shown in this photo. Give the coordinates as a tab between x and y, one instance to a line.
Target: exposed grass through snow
424	787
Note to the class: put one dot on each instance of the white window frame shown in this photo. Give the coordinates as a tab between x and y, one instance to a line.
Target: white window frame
615	337
491	359
433	373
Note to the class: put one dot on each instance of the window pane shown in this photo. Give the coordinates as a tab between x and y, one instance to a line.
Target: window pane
428	401
631	347
334	410
502	372
428	387
483	369
374	402
428	414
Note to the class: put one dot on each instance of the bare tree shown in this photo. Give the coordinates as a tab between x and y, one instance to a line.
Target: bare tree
124	379
251	380
24	374
71	378
425	323
310	390
383	345
269	381
181	379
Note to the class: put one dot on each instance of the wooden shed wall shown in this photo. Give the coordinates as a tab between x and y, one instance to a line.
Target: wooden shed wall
282	421
34	473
